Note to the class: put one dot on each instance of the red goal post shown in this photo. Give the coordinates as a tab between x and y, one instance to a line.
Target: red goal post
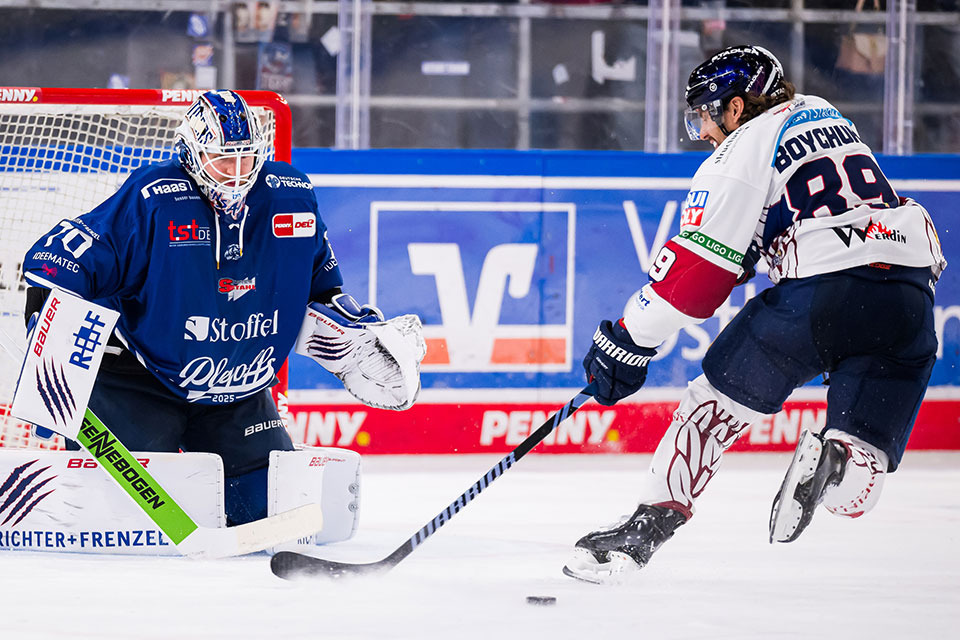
62	152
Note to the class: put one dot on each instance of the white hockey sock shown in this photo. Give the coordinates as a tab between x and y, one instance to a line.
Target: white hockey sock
705	425
863	475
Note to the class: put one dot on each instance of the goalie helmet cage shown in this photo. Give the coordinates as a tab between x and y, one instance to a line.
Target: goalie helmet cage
63	152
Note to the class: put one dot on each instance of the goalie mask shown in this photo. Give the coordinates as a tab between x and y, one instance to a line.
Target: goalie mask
221	146
735	71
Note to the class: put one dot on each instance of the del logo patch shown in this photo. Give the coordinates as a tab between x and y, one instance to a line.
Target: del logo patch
294	225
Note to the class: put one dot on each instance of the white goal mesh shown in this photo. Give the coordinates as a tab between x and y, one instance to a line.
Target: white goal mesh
58	161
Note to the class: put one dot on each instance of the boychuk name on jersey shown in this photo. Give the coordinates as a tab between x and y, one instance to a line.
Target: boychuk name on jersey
797	147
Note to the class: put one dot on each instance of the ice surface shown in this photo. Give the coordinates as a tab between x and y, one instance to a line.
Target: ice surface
894	573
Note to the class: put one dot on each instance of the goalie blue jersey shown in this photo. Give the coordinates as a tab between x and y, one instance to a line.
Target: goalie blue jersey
210	305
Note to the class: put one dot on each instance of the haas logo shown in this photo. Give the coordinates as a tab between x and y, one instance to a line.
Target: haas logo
295	225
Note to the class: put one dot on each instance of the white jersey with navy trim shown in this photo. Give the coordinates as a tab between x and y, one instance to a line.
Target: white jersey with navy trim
210	305
796	185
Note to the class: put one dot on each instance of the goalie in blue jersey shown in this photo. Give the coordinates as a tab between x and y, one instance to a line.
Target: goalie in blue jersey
212	258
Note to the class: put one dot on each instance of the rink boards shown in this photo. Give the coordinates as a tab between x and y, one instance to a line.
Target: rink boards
512	258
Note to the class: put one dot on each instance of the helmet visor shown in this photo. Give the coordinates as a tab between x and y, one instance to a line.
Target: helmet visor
695	118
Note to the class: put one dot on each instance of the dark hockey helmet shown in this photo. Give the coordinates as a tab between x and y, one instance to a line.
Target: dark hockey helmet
735	71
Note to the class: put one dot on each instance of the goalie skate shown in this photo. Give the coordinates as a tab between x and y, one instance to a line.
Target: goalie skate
613	556
817	464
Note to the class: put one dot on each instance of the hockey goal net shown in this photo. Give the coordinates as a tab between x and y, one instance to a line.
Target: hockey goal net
63	152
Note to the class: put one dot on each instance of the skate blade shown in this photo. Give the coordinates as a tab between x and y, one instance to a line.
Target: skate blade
620	569
786	514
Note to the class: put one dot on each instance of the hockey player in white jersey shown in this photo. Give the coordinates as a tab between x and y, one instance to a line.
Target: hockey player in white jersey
854	268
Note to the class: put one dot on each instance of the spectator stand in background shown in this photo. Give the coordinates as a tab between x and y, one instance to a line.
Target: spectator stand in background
938	64
275	67
418	58
599	60
862	54
531	77
265	19
243	22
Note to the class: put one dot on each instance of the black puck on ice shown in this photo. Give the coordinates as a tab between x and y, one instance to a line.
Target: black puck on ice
542	600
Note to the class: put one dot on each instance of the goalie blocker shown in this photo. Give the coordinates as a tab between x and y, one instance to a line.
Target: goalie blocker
59	501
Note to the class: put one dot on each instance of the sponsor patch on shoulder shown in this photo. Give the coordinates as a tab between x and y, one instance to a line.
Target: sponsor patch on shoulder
275	182
295	225
693	206
166	186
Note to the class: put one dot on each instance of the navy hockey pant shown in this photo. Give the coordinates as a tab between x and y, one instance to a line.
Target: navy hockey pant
146	416
871	329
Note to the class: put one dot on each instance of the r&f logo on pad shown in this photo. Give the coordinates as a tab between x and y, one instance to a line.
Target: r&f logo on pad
86	340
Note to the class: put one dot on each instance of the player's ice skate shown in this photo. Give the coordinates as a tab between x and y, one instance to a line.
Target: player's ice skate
817	464
612	556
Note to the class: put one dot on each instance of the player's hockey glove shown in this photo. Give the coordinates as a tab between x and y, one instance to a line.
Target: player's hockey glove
616	363
748	266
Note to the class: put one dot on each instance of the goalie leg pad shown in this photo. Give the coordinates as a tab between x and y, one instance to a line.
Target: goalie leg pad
59	501
319	475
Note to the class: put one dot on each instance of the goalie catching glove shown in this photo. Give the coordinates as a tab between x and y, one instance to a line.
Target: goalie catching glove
618	366
377	360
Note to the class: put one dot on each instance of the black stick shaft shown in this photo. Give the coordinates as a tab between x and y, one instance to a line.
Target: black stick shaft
286	563
498	470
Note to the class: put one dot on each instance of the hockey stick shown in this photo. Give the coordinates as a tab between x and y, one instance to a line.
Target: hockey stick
289	564
148	494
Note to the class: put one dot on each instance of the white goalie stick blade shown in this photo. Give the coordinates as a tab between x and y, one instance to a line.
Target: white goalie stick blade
209	542
787	513
620	569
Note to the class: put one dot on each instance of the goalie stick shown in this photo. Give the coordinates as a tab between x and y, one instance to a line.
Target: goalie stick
190	538
289	564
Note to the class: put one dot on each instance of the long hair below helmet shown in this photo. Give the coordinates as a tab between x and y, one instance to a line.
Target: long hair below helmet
221	145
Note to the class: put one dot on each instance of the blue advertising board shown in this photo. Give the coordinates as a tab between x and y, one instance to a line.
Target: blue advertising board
512	258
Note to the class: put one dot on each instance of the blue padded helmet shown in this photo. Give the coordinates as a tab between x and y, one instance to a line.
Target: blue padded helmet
735	71
220	126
